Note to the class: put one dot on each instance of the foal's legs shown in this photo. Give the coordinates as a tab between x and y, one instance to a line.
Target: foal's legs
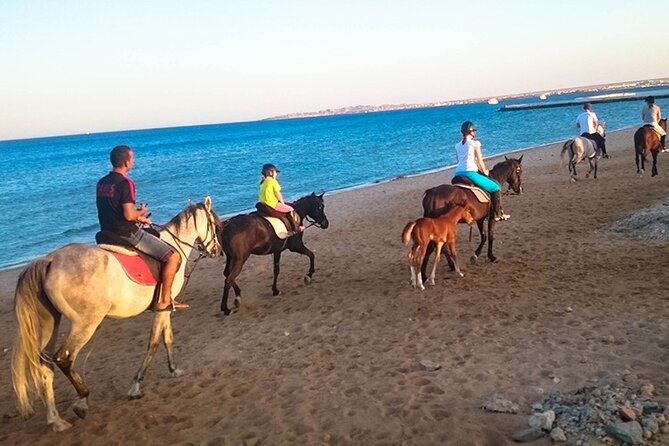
452	254
162	323
411	257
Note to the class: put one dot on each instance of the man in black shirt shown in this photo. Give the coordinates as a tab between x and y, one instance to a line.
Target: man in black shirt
115	199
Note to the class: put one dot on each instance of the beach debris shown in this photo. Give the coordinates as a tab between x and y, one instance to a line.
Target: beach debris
496	403
616	412
542	420
529	434
648	224
569	309
558	436
430	366
629	432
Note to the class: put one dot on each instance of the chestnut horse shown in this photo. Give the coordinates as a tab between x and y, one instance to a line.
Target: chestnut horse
647	140
442	230
248	234
439	199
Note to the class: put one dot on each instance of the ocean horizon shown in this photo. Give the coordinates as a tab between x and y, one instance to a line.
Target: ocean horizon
50	186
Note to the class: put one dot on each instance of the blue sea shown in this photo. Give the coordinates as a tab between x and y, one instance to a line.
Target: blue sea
47	193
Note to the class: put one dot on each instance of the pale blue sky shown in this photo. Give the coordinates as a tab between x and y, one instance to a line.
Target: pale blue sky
89	66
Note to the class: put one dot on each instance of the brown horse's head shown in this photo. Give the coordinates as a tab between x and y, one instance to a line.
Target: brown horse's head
312	208
509	171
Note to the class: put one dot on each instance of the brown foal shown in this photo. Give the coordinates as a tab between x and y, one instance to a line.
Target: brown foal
441	230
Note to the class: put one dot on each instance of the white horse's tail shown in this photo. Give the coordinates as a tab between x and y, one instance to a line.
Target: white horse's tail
28	370
564	149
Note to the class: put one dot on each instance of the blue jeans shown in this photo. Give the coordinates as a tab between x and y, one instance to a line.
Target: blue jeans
482	181
150	245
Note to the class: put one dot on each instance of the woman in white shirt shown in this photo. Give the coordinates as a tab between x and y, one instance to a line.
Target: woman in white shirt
471	166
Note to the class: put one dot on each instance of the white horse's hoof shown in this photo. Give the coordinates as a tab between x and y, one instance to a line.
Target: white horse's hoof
307	280
460	274
422	288
572	179
431	282
135	392
60	425
473	259
177	373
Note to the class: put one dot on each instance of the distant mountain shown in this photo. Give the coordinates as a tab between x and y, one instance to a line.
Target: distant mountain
355	109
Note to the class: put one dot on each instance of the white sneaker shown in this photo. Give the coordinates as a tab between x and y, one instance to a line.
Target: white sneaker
665	150
503	216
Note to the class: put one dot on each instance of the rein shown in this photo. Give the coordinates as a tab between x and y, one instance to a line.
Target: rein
199	247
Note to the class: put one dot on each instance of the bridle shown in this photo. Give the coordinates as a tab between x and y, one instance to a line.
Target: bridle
311	221
201	247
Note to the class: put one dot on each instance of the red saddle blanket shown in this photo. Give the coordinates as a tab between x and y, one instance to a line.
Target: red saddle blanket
136	268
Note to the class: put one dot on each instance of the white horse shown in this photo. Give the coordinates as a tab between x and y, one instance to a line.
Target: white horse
580	148
85	284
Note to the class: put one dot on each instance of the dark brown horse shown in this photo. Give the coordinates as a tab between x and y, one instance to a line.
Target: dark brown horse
647	140
441	198
248	234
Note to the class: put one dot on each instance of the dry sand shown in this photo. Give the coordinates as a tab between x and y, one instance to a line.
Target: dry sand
338	362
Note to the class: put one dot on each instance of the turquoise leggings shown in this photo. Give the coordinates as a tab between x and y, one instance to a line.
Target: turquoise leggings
480	180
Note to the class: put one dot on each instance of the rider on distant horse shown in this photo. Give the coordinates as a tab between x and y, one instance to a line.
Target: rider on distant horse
651	115
270	200
470	164
587	122
115	199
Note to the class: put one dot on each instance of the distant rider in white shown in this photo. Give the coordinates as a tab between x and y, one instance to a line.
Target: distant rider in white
587	122
651	115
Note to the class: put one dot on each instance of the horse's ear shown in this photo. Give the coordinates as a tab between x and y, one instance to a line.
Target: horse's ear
207	202
321	195
520	160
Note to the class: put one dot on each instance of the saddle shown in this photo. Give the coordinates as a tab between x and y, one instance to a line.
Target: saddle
139	267
280	225
466	183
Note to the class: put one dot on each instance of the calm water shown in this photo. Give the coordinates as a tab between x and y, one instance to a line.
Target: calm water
48	190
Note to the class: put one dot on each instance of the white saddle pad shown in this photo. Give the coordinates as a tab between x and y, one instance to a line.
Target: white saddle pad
480	194
119	249
279	227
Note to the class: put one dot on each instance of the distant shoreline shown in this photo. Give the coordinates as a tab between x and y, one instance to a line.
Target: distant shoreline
361	109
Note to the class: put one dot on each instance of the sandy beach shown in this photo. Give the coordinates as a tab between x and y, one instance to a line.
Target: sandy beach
569	304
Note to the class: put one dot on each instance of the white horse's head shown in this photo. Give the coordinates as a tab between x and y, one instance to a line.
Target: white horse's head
206	223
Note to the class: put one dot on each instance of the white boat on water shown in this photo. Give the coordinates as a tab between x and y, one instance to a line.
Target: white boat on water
543	97
493	101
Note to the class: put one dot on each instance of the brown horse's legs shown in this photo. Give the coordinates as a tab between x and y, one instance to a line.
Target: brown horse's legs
301	249
483	236
277	262
423	262
160	320
491	238
233	267
654	169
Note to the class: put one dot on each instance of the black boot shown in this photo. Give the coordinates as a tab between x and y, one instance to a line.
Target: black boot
496	211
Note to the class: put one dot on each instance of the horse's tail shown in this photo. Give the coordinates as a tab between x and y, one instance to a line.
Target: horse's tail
565	147
406	234
639	143
28	371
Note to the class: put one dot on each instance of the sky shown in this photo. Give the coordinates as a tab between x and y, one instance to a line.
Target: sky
71	67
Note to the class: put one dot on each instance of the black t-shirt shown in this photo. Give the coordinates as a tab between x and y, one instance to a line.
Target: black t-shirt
112	192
